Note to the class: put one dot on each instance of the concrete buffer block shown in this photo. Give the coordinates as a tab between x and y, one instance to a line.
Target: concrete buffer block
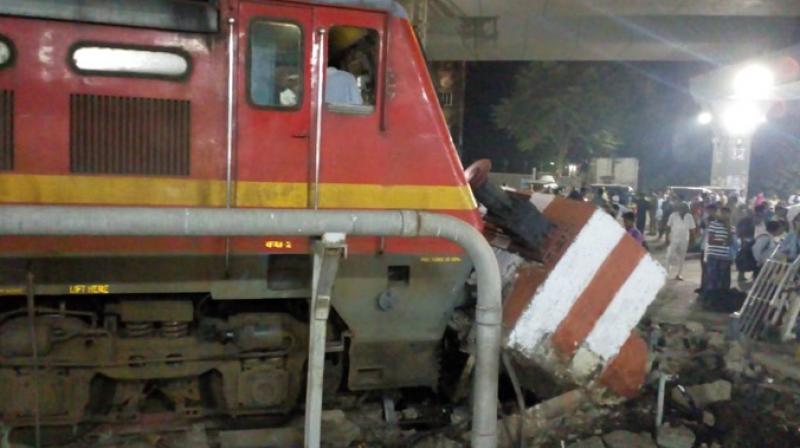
573	317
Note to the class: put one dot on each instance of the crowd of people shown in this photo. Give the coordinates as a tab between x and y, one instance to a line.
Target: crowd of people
727	230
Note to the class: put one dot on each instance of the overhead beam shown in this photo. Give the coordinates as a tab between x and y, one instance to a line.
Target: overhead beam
716	40
762	8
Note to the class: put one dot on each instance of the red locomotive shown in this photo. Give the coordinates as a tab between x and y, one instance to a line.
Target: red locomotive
133	103
273	104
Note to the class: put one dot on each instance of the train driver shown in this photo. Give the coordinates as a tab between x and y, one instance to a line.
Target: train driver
341	87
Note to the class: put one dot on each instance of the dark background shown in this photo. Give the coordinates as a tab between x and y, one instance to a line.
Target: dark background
671	147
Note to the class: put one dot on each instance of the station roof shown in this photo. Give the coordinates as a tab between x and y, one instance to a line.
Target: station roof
711	30
387	5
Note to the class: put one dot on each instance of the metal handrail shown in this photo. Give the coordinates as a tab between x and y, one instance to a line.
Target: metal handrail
319	59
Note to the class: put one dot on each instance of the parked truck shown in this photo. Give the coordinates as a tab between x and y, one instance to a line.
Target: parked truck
614	171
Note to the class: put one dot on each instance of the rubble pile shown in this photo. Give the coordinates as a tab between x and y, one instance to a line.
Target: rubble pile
719	393
363	423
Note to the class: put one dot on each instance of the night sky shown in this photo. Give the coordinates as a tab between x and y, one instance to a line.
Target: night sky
673	140
487	84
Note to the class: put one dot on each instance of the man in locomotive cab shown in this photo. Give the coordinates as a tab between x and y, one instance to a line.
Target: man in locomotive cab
357	60
289	86
341	87
350	74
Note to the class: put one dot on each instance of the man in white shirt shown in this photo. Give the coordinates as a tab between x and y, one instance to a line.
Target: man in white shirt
289	86
659	211
680	231
341	87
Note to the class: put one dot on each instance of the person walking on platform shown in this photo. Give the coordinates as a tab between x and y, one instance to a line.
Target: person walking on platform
680	232
718	256
666	212
652	214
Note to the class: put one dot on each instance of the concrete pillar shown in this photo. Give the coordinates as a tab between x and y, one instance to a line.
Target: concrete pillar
730	164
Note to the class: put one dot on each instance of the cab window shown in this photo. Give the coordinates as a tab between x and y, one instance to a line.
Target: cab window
351	76
275	72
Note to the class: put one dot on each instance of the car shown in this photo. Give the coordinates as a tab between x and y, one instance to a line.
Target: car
625	192
689	193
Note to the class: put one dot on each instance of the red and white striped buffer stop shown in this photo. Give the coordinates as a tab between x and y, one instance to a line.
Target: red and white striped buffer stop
574	315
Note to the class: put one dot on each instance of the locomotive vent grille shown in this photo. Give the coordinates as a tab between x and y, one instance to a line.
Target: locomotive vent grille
6	130
129	135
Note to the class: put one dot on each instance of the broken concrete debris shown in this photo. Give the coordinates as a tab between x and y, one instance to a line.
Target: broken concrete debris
627	439
705	394
709	419
337	429
591	442
695	328
702	395
438	441
716	389
735	358
675	437
716	340
779	366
